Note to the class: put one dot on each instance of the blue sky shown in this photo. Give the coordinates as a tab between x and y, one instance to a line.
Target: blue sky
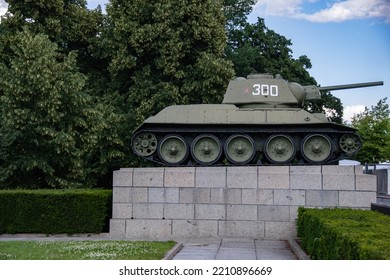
347	41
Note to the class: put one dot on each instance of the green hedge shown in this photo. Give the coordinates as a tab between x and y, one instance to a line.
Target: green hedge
54	211
344	234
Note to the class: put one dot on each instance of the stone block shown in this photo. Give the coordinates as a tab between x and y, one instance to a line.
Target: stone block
123	177
257	196
186	195
195	228
122	210
148	211
241	212
293	213
274	177
117	228
179	211
202	195
305	169
273	213
218	196
122	194
243	229
359	169
242	177
305	177
139	195
289	197
156	195
179	177
164	195
366	183
210	212
233	196
148	177
338	169
322	198
339	182
210	177
149	229
280	230
355	199
274	169
171	195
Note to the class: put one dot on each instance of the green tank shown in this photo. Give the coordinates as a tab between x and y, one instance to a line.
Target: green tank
260	121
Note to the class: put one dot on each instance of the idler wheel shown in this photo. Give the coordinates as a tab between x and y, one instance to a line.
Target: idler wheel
206	149
279	149
350	143
144	144
173	150
316	148
239	149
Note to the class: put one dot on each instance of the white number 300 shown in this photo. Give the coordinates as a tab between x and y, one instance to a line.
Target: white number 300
265	90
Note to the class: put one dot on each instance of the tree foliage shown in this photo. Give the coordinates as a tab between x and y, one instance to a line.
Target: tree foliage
68	23
45	128
254	48
373	126
167	52
236	12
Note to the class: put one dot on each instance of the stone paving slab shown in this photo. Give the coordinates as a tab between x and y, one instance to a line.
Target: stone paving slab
274	250
235	249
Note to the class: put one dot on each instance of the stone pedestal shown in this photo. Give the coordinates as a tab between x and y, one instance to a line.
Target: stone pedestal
251	202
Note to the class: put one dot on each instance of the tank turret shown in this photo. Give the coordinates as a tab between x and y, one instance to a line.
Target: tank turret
265	91
261	121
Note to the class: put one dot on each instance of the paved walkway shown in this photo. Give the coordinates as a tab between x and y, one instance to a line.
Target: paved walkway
235	249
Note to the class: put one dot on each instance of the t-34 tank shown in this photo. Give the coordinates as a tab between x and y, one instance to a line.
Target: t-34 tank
260	121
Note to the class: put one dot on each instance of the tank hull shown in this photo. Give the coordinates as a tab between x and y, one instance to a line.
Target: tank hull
230	114
225	134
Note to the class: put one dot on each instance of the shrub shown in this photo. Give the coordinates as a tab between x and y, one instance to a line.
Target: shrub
344	234
54	211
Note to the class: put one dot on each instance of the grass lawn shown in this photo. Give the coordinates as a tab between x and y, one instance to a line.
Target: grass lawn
84	250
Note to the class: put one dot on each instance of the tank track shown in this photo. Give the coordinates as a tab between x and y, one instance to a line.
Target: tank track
221	145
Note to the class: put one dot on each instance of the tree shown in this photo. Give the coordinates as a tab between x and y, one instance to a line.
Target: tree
373	126
167	52
236	12
254	48
48	129
75	31
68	23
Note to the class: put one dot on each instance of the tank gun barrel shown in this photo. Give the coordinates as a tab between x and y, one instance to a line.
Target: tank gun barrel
349	86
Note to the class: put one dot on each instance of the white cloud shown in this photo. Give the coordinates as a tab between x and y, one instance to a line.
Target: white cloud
336	11
351	9
3	7
350	111
278	7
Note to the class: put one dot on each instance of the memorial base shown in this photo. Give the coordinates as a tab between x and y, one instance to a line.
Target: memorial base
242	202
